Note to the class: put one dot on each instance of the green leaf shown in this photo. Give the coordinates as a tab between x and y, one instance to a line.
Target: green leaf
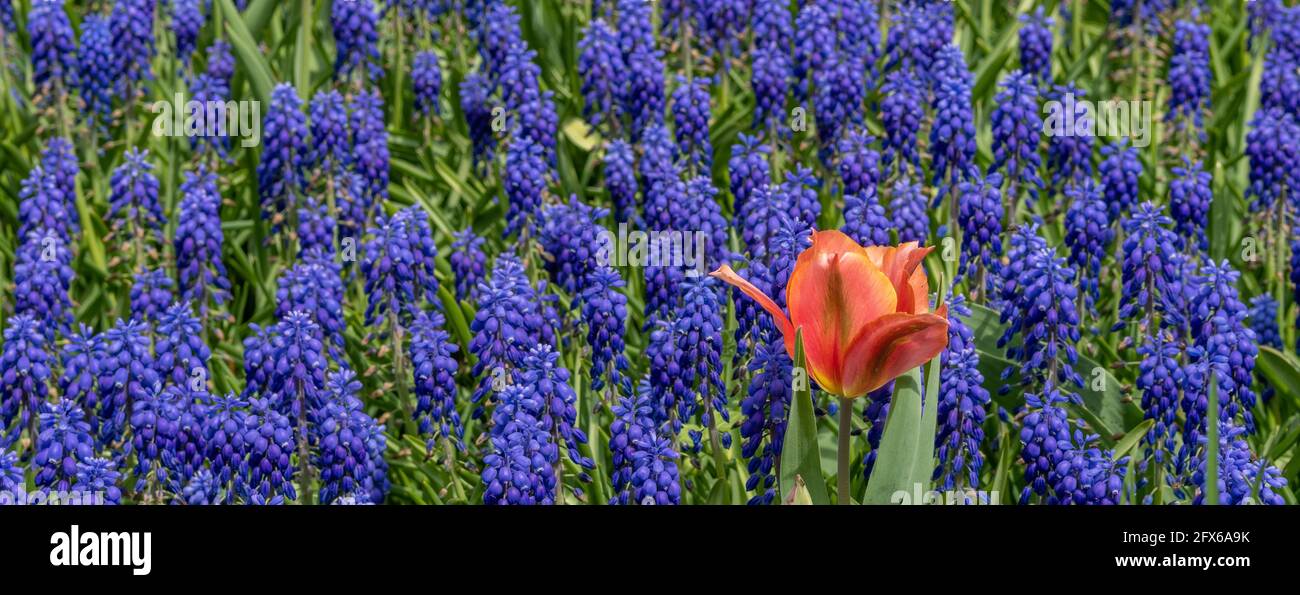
800	456
896	457
1131	439
250	55
923	460
1282	371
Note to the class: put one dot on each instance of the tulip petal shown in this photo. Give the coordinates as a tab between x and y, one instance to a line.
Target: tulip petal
725	273
833	293
892	345
902	264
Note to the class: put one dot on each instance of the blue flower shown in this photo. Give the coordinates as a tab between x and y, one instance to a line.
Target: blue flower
645	97
468	262
520	76
297	366
524	181
601	67
770	78
126	373
202	489
644	461
865	220
80	359
11	470
1218	325
604	310
330	150
399	266
475	103
54	49
814	46
42	276
952	137
151	294
919	32
426	79
691	115
1043	313
798	196
699	330
620	180
838	101
1150	262
1044	439
1189	74
223	429
1273	148
316	228
546	383
155	424
634	28
749	171
314	286
1242	479
1279	82
519	464
221	64
187	21
1088	235
498	36
134	195
1036	46
208	137
1069	153
370	144
96	476
1189	202
538	121
434	370
980	217
1160	378
1120	170
1263	320
765	407
280	176
510	318
63	442
342	434
131	22
96	70
907	208
24	375
962	405
772	23
356	38
198	241
1024	241
42	205
902	109
181	354
571	238
1017	132
859	165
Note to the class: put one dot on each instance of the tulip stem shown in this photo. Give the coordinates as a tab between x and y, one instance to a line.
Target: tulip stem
846	429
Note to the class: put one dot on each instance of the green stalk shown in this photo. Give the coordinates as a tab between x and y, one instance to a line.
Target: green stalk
449	454
846	430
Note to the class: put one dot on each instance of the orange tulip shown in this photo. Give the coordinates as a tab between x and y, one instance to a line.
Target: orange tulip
865	312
